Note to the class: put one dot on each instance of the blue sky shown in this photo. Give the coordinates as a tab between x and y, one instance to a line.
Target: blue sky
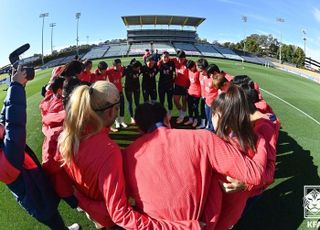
101	20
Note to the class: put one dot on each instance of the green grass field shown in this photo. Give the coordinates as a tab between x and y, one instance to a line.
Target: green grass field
281	206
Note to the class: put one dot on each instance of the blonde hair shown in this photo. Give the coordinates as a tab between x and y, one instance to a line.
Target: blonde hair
82	118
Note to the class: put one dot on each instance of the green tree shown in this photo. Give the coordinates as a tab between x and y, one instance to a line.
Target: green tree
299	57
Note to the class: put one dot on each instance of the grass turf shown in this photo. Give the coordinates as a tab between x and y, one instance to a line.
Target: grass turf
280	207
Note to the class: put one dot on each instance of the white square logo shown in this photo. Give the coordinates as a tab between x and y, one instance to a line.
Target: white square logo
311	201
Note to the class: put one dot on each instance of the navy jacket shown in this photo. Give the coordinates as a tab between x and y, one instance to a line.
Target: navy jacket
31	188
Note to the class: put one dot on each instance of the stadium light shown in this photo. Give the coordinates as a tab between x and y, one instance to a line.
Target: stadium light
244	19
77	18
280	20
87	39
305	41
52	25
43	15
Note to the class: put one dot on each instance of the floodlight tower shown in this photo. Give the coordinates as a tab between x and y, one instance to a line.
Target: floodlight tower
52	25
244	19
77	18
43	15
280	20
305	41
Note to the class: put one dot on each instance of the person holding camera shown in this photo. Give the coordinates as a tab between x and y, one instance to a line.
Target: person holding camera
20	169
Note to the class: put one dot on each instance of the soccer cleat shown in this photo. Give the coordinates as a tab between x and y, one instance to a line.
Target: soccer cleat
201	126
75	226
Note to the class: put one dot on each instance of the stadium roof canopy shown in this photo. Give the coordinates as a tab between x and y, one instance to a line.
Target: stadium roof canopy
162	20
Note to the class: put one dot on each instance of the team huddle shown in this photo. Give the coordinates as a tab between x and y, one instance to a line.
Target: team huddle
167	178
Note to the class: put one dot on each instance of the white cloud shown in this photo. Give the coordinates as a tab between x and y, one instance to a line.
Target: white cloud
316	14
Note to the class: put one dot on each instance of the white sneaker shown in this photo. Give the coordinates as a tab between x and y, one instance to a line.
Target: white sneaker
189	122
133	122
117	124
179	120
114	130
124	125
75	226
201	126
195	123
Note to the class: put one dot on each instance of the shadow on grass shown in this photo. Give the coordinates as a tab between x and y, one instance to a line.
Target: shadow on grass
281	207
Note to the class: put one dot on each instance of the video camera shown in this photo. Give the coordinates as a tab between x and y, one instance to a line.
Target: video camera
15	61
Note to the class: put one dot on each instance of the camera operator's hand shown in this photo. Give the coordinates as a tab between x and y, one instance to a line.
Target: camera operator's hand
19	76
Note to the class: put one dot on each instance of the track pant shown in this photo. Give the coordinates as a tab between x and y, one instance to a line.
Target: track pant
129	93
163	90
193	107
149	93
121	105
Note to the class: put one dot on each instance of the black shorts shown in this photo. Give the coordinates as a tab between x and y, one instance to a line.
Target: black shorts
180	90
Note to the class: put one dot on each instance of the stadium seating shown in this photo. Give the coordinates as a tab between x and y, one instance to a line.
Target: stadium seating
97	52
208	50
117	50
164	47
228	53
188	48
139	48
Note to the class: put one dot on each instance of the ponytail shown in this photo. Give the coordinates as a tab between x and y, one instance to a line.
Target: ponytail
79	115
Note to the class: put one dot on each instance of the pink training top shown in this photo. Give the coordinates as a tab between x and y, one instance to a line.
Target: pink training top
97	173
194	88
172	181
234	203
202	84
182	78
115	77
210	90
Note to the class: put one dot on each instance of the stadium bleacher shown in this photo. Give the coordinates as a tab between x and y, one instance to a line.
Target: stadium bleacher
228	53
188	48
97	52
169	40
208	50
117	50
139	48
164	47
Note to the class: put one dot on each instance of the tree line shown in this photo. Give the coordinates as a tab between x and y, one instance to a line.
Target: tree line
268	46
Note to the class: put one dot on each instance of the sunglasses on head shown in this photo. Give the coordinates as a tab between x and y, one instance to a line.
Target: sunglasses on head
107	107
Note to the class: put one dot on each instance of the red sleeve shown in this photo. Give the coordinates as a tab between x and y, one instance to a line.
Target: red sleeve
228	160
269	131
54	119
112	185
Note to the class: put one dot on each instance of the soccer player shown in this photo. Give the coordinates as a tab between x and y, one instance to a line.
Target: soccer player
169	171
214	83
132	85
86	74
202	65
237	121
181	85
167	72
115	74
194	94
149	85
100	74
94	162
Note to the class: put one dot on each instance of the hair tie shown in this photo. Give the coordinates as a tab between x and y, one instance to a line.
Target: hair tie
90	90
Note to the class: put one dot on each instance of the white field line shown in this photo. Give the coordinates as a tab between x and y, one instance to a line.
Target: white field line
304	113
